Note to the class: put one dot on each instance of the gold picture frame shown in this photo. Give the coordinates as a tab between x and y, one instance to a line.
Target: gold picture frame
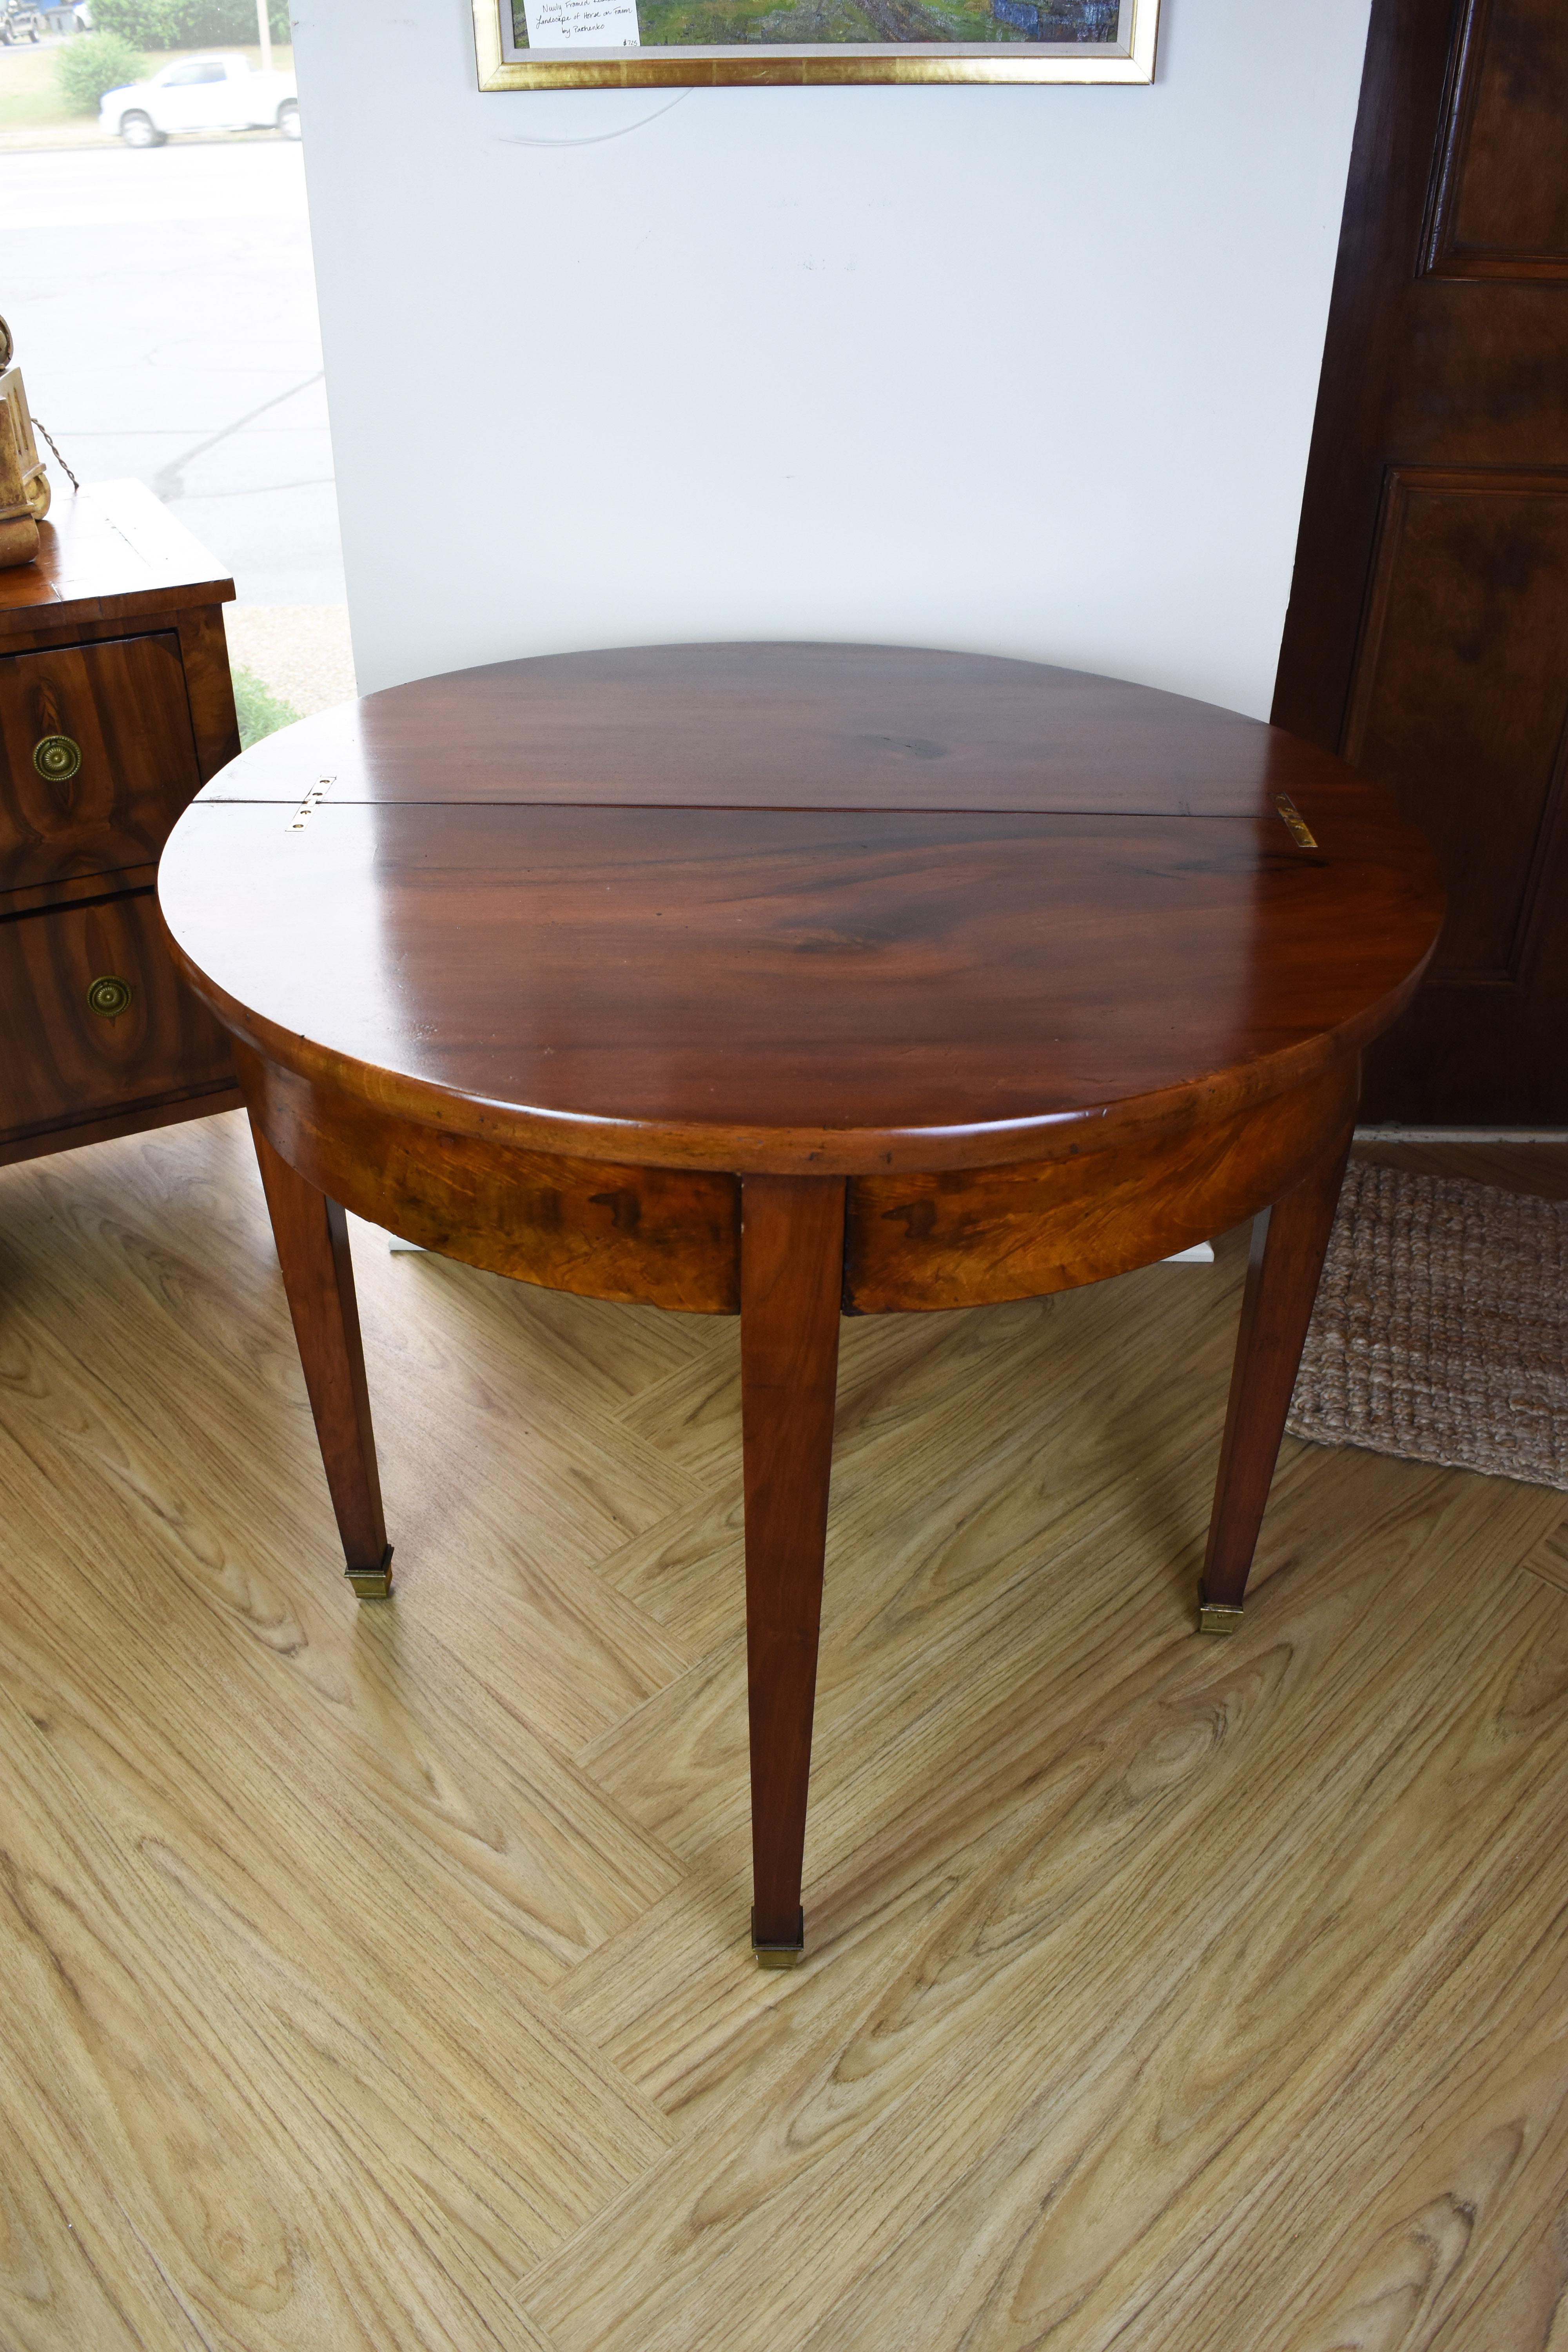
1008	51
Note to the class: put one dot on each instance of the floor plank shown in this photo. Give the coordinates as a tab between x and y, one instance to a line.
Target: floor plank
378	1976
1136	1922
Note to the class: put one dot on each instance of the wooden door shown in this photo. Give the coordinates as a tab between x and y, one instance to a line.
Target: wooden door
1427	633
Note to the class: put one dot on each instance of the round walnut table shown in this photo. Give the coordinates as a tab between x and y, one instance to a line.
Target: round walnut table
798	980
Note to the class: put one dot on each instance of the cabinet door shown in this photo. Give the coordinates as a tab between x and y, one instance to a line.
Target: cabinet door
1428	634
96	1019
97	758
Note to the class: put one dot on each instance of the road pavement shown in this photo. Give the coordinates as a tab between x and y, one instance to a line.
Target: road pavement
164	311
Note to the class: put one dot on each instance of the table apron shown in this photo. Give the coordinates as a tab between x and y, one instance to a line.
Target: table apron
975	1237
671	1237
645	1236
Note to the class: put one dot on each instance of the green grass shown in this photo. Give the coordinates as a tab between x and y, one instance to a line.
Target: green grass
726	22
30	109
681	23
261	712
691	22
28	91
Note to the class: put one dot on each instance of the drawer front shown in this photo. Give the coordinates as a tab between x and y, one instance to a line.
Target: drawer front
95	1017
97	758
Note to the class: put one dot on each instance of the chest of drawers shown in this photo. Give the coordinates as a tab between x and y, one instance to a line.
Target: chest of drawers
116	705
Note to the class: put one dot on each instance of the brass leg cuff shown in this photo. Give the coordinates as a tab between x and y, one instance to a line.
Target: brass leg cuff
779	1956
372	1583
1218	1616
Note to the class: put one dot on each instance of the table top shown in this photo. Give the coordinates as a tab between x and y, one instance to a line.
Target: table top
816	907
109	552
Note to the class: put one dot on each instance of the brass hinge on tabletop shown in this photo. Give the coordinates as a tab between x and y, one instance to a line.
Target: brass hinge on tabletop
308	806
1295	822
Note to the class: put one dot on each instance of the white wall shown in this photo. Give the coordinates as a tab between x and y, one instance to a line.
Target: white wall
1023	371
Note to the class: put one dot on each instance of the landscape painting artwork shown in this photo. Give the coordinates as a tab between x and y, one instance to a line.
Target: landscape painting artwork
629	44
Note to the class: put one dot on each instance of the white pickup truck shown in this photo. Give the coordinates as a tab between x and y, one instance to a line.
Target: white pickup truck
221	91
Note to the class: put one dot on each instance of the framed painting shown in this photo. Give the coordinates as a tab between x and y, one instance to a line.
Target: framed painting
668	43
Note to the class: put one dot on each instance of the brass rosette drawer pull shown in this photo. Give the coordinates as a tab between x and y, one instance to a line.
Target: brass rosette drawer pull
56	758
109	995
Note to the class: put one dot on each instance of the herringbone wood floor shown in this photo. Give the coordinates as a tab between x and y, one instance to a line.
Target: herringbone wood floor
377	1976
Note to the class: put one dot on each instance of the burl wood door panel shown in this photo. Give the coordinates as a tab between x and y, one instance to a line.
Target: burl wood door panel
1428	635
77	1046
96	757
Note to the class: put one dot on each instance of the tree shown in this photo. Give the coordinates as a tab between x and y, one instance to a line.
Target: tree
187	23
86	69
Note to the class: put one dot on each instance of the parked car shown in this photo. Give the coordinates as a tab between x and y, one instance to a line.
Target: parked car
221	91
18	22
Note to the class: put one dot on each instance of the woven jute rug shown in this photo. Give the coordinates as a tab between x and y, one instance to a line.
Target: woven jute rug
1441	1329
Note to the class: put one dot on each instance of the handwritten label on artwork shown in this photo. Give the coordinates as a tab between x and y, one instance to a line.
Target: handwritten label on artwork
581	24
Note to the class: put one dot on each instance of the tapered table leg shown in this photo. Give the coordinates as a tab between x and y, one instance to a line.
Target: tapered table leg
1289	1243
792	1276
312	1237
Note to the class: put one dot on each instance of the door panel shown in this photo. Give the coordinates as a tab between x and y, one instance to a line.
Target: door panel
1427	633
1460	694
1496	212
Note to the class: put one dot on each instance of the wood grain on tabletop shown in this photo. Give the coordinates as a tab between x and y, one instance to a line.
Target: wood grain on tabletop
712	891
362	1979
917	983
792	726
